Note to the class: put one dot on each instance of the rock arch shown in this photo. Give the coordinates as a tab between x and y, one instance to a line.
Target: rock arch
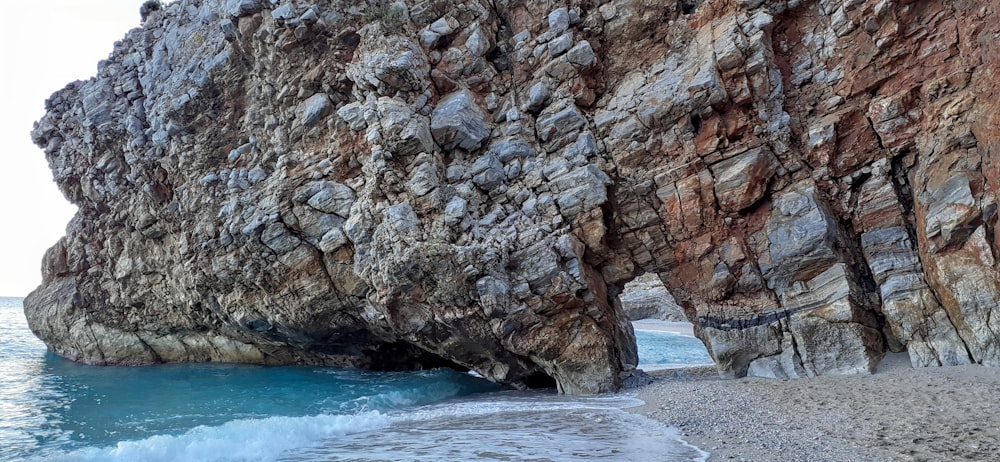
471	186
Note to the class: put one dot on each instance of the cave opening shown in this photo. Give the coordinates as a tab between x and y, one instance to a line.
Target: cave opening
402	356
664	336
539	380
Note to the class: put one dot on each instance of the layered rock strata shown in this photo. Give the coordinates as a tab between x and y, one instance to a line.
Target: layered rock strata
472	184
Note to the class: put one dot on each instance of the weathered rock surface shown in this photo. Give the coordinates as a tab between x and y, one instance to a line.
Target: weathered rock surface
645	297
472	184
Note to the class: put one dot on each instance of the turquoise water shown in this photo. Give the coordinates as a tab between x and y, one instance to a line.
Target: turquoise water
661	350
53	409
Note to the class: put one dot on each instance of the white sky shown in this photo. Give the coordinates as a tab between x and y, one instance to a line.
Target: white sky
44	44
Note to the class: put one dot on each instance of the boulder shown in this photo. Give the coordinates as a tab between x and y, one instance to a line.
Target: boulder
458	122
742	180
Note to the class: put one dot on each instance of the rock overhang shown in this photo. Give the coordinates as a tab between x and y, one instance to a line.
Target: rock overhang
434	183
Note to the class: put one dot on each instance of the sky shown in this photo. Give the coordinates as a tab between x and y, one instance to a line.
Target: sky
44	45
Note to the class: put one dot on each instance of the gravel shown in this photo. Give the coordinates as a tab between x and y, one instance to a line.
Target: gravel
899	413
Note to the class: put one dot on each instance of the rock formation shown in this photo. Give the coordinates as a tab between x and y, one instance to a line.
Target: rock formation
645	297
471	184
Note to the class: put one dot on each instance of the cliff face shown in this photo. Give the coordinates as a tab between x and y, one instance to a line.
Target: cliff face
472	184
645	297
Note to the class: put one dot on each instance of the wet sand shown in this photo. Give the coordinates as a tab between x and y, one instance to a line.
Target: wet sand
898	413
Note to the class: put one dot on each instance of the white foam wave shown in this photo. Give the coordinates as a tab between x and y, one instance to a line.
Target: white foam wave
506	426
401	398
517	402
517	426
238	440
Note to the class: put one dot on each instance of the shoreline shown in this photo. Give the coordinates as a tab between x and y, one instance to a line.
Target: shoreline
897	414
675	328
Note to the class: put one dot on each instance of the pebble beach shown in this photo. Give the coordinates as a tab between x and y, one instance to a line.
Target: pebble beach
896	414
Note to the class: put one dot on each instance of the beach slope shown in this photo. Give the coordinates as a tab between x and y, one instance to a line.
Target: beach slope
898	413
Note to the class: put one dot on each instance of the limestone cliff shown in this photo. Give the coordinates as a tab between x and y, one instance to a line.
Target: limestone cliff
471	184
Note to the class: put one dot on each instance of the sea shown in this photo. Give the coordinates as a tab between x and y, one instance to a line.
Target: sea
52	409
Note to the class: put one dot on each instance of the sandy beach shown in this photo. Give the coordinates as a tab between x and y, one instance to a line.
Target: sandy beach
898	413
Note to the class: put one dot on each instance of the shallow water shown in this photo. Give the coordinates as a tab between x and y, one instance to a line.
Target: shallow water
662	350
53	409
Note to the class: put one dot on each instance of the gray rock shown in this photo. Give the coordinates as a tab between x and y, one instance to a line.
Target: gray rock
314	109
522	36
561	44
402	219
574	16
608	11
333	197
678	91
803	237
915	317
332	240
537	265
581	189
278	239
239	8
456	173
729	46
722	283
310	16
209	179
403	131
537	95
646	297
256	175
494	295
760	21
557	123
477	43
768	367
235	154
458	122
357	230
483	163
228	29
489	179
513	169
284	12
423	180
580	152
429	38
951	210
507	150
354	115
582	54
635	379
313	224
487	171
444	26
389	64
455	211
817	337
559	20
